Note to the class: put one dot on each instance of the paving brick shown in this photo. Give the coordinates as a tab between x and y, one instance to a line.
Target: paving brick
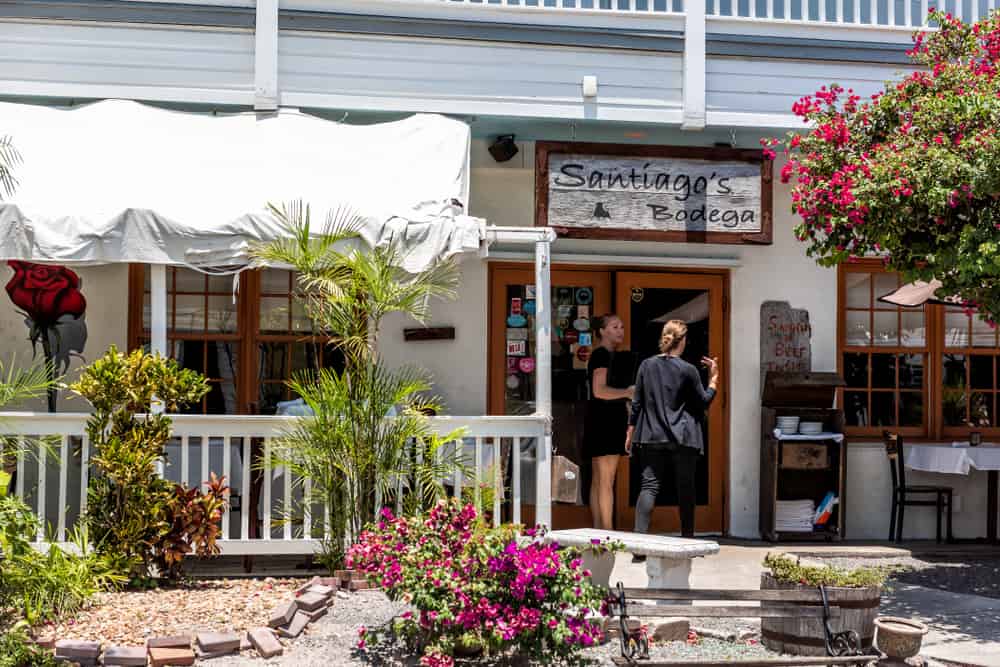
79	662
73	648
218	642
344	576
358	585
295	628
283	614
46	642
304	587
319	613
265	642
177	641
320	589
332	582
161	657
310	601
673	630
125	656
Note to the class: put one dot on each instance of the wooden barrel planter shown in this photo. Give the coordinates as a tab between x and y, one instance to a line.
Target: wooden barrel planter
805	636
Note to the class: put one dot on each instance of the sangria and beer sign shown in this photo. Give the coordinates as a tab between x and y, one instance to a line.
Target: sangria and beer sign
715	195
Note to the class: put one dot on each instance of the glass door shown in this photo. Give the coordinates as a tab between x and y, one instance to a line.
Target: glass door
645	302
577	296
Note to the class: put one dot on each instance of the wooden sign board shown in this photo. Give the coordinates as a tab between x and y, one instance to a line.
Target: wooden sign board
785	338
656	193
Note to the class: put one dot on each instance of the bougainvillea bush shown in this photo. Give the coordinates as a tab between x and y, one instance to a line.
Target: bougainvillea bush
478	587
912	174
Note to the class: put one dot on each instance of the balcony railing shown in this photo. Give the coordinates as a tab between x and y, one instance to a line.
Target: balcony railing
882	13
56	486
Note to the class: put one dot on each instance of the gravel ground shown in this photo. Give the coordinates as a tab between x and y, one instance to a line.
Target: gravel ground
128	618
959	574
331	641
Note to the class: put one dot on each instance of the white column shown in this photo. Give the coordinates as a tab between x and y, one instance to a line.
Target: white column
694	66
543	381
265	66
158	330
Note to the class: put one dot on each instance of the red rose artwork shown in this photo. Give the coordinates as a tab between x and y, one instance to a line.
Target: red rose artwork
50	298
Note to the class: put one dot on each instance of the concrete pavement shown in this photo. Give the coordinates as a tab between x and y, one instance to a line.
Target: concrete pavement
965	629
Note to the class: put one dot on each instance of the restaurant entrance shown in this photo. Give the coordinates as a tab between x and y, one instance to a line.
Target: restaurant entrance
644	301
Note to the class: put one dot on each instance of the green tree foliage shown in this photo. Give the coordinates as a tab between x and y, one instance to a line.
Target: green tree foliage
354	456
913	174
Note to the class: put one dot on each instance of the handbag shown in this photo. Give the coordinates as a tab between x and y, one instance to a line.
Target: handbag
565	481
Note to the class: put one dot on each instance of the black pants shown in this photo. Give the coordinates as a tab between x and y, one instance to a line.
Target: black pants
653	461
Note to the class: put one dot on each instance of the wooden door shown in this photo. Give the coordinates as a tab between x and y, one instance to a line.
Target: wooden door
645	301
576	295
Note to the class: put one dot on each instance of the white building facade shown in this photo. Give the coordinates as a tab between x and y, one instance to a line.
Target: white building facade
590	78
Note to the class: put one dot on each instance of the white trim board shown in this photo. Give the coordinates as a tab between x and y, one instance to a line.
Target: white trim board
668	261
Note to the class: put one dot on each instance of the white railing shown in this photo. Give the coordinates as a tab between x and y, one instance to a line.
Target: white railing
876	13
882	13
56	486
624	6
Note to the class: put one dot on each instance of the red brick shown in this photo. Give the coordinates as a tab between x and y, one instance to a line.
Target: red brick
125	656
358	585
311	601
313	615
266	643
216	642
344	575
73	648
295	628
320	589
177	641
332	582
47	642
283	614
304	587
161	657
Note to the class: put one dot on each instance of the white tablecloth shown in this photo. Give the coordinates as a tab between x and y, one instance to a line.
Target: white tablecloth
955	459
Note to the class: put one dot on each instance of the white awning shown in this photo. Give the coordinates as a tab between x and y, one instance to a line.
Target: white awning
119	181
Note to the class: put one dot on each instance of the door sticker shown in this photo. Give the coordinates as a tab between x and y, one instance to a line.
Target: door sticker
526	364
529	291
515	306
638	294
517	334
580	324
516	321
583	311
586	339
529	307
517	348
584	295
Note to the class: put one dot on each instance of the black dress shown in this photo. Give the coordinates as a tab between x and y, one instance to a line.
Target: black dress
606	421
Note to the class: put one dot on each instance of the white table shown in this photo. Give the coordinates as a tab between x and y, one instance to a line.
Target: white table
959	458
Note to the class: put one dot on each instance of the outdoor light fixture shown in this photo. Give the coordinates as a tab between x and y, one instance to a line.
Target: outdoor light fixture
503	148
590	86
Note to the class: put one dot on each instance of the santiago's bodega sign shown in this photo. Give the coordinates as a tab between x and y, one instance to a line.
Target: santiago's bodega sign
713	195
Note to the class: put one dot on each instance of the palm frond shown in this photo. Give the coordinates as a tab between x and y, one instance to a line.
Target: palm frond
9	159
22	384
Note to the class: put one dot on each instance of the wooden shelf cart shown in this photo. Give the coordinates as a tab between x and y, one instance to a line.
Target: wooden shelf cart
801	468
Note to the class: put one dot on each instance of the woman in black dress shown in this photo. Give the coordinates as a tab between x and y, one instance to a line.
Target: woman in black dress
665	423
607	419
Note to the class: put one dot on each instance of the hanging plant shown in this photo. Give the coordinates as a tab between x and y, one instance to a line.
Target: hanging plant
911	175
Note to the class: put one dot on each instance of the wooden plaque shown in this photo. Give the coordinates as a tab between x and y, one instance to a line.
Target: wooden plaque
653	193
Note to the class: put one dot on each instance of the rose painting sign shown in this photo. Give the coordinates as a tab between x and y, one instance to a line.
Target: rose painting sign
49	297
655	193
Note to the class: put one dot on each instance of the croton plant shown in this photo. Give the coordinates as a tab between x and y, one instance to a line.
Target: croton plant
911	175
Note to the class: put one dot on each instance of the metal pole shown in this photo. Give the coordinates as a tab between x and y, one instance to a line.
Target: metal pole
543	381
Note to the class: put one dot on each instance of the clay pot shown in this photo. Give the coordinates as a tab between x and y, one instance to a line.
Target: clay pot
899	638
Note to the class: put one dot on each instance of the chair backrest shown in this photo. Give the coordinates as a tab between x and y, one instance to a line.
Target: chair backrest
894	451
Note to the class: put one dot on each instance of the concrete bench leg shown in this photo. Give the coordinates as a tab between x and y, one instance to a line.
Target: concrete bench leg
668	572
600	566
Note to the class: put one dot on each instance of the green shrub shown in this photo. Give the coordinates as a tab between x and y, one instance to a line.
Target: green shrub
17	649
128	503
786	569
43	586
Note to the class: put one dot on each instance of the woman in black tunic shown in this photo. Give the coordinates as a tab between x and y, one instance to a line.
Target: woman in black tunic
665	423
607	419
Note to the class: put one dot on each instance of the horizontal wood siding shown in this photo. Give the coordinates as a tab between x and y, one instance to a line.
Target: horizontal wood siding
468	76
772	86
103	60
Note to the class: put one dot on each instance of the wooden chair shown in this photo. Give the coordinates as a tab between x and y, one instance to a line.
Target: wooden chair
902	492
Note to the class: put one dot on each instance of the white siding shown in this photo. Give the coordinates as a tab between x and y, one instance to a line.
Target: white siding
120	60
460	76
759	85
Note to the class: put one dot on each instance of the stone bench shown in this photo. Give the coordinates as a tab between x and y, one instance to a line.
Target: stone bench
668	559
